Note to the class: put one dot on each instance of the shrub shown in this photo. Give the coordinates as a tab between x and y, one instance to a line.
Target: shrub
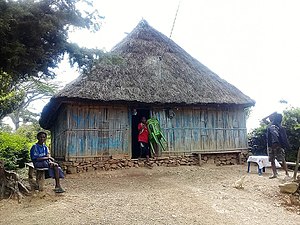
14	150
258	141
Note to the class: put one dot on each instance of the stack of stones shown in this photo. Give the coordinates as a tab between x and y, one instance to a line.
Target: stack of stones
220	159
244	156
87	165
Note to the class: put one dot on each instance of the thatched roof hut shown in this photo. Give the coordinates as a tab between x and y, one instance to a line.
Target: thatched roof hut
146	74
148	67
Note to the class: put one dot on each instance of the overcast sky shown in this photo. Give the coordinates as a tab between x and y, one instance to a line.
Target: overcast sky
252	44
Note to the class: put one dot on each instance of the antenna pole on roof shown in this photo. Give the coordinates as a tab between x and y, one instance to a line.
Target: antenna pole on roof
174	20
161	57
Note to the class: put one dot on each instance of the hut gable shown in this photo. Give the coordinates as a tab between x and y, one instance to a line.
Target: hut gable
148	67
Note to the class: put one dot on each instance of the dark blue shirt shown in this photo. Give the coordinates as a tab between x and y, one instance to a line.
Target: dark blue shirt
38	151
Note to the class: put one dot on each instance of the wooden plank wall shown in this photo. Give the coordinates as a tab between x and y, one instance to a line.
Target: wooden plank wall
93	131
196	129
102	131
58	134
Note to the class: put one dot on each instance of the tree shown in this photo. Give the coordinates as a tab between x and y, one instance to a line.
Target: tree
5	127
29	131
258	141
34	39
14	147
10	98
291	121
34	89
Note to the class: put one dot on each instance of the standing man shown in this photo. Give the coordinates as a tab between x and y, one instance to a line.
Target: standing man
143	138
277	142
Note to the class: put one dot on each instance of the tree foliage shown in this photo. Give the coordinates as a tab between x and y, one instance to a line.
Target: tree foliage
291	122
34	39
258	141
29	131
14	150
14	147
10	98
34	89
34	36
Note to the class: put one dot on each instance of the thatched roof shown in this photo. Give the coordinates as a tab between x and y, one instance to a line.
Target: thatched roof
148	67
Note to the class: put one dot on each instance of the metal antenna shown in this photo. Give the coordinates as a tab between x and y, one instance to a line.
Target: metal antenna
173	25
161	57
174	19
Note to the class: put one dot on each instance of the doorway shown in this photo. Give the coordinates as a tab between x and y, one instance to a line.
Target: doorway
136	119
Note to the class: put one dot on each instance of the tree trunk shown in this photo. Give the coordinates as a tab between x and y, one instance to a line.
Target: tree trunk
10	184
15	118
3	182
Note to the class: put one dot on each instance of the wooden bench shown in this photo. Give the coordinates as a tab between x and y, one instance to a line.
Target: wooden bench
40	175
199	154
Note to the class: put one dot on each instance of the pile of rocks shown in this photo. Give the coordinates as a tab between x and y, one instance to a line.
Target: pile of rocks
86	165
220	159
113	164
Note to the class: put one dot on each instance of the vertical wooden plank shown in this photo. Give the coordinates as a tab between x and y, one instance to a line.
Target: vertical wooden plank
211	131
58	142
219	130
178	132
226	130
171	134
243	129
236	129
195	130
203	129
189	129
128	135
231	130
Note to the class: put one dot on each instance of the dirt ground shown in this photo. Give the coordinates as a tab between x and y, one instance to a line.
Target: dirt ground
162	195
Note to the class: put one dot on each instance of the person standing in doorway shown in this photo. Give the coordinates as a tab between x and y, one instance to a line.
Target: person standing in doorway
143	138
277	142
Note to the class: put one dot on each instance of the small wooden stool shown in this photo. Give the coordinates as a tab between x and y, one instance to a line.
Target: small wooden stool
40	175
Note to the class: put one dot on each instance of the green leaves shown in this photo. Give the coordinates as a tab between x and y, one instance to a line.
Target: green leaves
34	35
34	89
291	120
14	147
10	98
14	150
34	39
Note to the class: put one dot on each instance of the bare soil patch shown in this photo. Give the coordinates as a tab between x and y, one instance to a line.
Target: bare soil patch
162	195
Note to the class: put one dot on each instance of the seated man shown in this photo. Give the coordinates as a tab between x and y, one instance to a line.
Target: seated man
41	158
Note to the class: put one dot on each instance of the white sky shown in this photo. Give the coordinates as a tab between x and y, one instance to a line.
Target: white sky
252	44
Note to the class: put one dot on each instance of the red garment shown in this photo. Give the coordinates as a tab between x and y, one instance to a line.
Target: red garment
143	133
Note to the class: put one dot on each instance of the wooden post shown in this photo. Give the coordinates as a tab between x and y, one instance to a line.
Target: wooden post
30	172
239	159
40	179
297	165
199	158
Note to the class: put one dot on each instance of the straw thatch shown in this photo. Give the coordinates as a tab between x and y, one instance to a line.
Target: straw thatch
148	67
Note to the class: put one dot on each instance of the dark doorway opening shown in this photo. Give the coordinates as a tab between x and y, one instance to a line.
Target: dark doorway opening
136	119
